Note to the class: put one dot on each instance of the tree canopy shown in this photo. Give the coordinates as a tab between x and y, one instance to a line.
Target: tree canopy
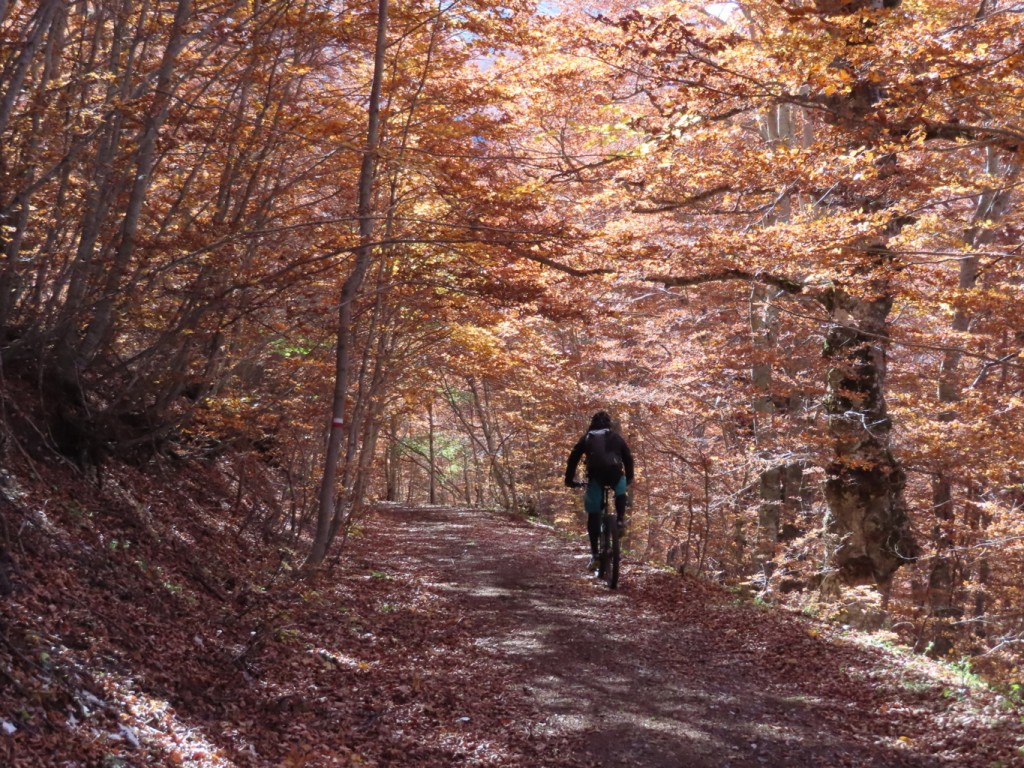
779	241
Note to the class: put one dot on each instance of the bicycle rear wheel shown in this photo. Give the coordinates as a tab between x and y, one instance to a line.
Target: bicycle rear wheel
613	565
604	555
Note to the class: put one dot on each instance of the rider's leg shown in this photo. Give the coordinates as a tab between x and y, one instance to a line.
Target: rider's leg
594	532
620	500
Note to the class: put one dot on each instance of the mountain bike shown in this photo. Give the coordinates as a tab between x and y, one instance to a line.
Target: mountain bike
609	547
610	550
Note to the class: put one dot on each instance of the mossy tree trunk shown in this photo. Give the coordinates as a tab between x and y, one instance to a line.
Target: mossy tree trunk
864	482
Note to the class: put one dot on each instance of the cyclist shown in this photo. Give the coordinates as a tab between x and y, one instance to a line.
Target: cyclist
609	464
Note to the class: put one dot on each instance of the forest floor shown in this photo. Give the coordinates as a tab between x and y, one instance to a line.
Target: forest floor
443	637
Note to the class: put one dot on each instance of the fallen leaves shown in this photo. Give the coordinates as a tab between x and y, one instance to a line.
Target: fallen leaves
419	650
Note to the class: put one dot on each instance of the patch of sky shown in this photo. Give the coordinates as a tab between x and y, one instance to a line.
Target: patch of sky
719	10
722	10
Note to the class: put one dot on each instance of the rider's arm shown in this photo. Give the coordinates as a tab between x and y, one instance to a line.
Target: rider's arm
574	460
627	462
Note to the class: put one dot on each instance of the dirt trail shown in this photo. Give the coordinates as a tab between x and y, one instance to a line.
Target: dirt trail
669	672
441	638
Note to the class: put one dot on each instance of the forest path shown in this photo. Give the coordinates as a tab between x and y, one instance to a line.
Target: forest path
667	671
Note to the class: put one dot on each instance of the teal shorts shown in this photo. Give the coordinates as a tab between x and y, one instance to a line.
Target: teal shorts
593	499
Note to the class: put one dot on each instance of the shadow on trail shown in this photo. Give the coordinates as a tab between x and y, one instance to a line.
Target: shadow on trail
635	687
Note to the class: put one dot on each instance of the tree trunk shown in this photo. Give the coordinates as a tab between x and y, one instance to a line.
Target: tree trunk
776	130
506	494
337	433
864	482
98	332
940	577
392	461
13	84
763	322
990	207
432	457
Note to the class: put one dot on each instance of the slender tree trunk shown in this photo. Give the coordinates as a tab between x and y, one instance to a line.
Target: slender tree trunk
685	567
990	207
337	434
763	319
702	551
940	577
483	411
777	130
11	88
432	457
15	212
392	461
99	329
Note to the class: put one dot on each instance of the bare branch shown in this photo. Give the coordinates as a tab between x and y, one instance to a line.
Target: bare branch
664	206
525	254
783	283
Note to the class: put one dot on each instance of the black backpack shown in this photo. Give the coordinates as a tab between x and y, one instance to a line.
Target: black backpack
604	461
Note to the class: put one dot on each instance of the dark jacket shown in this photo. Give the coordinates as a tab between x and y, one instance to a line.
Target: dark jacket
615	442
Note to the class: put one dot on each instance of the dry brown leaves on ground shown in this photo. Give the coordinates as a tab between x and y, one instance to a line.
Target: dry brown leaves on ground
146	624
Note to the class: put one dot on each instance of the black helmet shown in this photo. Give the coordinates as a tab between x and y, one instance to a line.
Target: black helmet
601	420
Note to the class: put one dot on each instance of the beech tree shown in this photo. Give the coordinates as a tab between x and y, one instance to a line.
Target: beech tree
146	164
778	240
704	79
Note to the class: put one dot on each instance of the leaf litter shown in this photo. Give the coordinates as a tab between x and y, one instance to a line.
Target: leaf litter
441	638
